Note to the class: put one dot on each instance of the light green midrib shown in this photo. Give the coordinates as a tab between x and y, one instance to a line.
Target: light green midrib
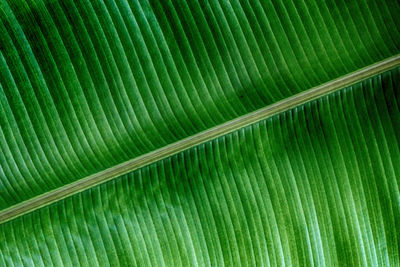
194	140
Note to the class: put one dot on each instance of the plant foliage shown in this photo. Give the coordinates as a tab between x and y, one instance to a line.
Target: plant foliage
86	85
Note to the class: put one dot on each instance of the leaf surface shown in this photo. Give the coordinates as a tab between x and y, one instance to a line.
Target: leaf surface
86	85
315	185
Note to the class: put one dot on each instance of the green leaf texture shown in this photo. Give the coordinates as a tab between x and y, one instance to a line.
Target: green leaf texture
88	84
316	185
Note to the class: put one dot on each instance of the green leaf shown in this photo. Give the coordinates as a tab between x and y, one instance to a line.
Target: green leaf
86	85
315	185
90	85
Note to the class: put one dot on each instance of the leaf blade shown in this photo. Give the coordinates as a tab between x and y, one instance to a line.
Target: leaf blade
82	95
307	186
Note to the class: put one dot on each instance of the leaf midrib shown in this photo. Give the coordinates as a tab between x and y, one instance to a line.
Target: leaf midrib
194	140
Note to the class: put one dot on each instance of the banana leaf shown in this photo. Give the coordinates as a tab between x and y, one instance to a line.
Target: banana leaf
87	85
315	185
